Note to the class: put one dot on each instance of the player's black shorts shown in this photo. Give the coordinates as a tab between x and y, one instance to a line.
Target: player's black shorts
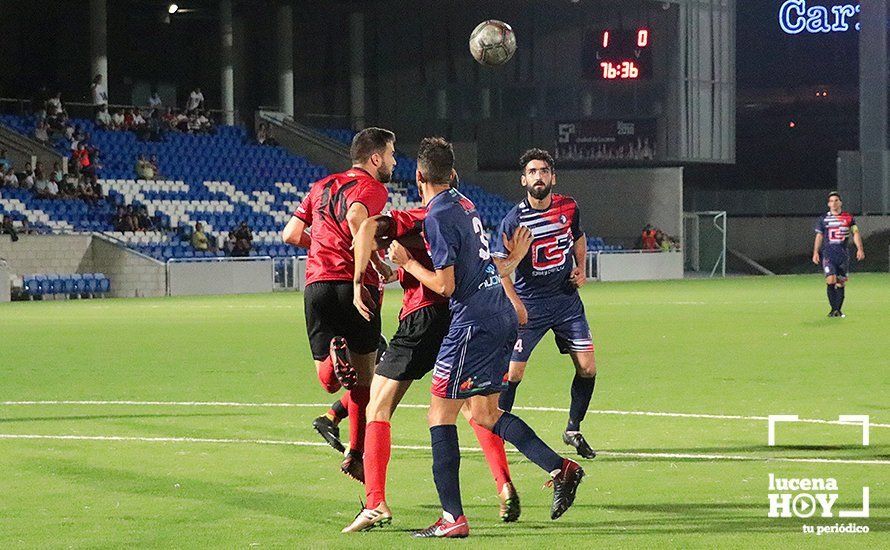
330	313
413	348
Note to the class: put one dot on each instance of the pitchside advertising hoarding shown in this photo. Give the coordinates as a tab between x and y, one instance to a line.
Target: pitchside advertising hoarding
585	142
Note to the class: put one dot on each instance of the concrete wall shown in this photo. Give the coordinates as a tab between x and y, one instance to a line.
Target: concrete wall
615	203
776	237
47	253
132	275
760	202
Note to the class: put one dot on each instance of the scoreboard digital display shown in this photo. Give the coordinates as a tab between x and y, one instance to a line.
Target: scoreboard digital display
619	54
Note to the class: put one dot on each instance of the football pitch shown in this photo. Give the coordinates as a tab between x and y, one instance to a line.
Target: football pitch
182	423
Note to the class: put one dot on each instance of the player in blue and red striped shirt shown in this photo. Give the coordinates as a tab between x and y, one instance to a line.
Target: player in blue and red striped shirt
545	293
833	231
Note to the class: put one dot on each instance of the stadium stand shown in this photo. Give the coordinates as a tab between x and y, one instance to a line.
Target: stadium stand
72	284
220	180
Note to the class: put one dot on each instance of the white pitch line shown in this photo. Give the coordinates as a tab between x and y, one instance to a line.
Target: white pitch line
223	441
414	406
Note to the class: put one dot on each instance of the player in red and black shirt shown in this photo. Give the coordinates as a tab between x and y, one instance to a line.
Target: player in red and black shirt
833	232
423	323
333	210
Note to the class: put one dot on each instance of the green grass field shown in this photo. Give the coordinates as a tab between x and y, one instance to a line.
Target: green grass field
236	471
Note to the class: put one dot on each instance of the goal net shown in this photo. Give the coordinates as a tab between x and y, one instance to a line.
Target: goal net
705	242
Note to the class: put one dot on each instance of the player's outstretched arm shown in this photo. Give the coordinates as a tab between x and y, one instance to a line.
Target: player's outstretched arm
817	246
517	246
440	281
294	233
857	240
363	247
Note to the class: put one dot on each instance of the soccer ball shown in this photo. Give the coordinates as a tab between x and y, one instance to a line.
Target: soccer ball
492	43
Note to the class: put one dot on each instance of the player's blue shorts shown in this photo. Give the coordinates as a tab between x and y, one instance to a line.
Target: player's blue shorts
835	261
567	320
474	359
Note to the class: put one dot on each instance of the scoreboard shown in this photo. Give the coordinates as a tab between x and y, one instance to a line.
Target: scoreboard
618	54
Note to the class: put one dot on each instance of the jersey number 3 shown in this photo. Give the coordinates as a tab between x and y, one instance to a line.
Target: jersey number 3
484	252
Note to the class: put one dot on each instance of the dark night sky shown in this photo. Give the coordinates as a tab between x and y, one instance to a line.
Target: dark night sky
768	57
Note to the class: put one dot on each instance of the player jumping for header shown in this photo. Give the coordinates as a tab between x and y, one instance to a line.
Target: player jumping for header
545	293
343	343
833	231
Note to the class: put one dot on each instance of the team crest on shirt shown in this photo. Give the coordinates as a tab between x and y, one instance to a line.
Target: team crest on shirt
563	219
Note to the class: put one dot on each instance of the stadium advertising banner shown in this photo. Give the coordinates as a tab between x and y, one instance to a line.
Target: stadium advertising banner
585	142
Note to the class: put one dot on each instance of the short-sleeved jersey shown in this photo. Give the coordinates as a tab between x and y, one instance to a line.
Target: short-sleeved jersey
545	271
324	210
835	229
417	296
455	237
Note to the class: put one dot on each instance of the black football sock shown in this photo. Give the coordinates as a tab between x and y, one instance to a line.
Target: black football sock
446	467
513	429
582	391
505	400
832	297
839	292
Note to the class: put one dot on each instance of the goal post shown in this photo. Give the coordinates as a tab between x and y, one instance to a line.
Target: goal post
705	242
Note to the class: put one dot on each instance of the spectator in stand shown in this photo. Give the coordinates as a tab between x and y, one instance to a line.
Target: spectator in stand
144	220
66	190
194	127
98	92
58	122
122	220
103	118
41	183
169	118
10	179
26	178
72	182
243	240
54	105
154	101
229	245
155	126
144	169
82	157
196	101
200	241
138	122
117	120
6	228
205	123
181	122
129	119
4	160
41	134
262	133
648	237
155	166
87	190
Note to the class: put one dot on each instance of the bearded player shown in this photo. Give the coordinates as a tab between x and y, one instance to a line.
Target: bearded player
833	231
343	343
545	293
